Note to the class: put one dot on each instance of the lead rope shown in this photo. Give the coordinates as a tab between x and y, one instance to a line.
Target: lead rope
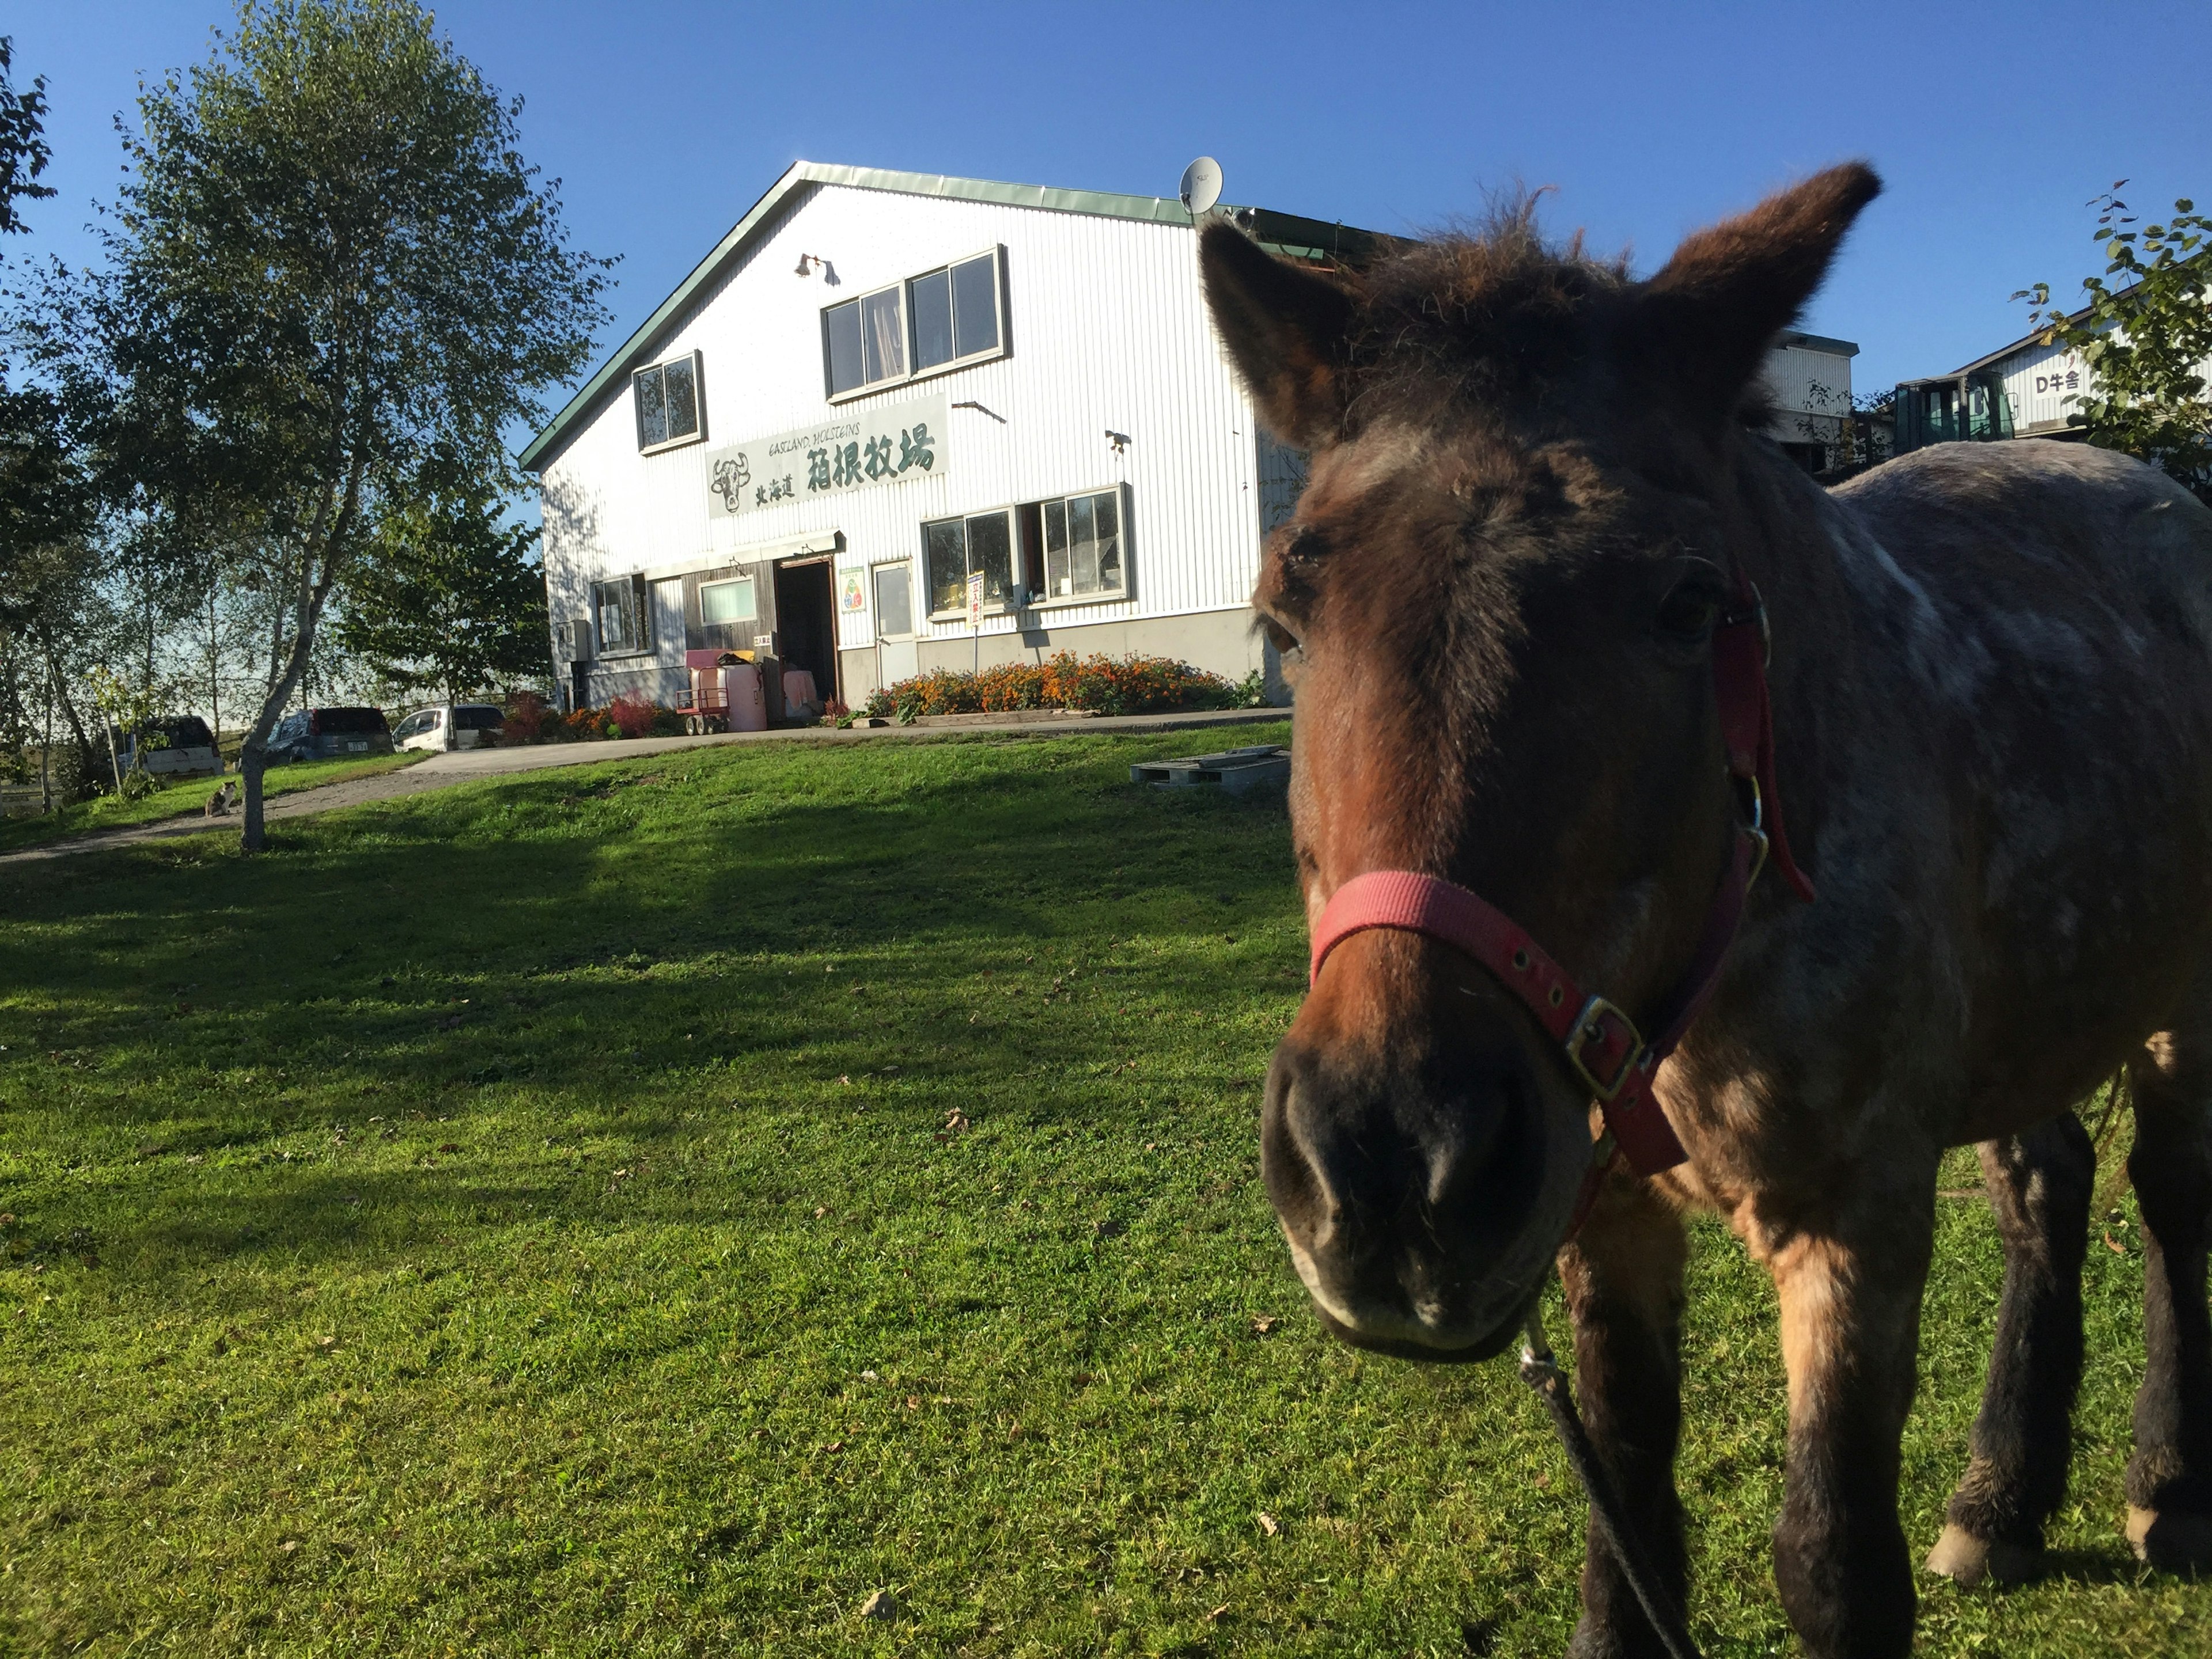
1541	1372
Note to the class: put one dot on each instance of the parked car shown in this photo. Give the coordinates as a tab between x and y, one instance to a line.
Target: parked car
178	746
452	725
329	734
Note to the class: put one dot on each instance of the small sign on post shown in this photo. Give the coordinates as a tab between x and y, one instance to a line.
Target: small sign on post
975	615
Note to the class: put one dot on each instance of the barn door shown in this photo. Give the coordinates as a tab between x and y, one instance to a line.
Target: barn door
896	656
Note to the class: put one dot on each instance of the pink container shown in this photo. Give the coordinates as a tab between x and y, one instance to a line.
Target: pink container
798	693
741	688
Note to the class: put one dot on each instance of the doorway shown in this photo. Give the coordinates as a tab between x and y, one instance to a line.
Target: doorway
896	656
806	622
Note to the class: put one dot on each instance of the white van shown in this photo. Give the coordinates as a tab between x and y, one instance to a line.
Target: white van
180	746
452	726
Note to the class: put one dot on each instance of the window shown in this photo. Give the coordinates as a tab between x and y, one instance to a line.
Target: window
723	604
953	547
667	402
1063	551
894	602
347	722
1082	546
619	607
940	320
478	717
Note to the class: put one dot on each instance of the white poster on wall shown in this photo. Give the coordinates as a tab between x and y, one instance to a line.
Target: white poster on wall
882	444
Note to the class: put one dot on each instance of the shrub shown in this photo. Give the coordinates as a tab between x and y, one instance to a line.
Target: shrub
1127	685
582	723
527	716
629	715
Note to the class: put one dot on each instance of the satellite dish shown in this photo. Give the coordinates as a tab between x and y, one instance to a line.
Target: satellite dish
1202	185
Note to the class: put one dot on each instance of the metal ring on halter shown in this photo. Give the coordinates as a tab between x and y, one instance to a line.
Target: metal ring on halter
1757	830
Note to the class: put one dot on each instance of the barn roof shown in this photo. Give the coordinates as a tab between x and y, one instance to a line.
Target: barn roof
1285	232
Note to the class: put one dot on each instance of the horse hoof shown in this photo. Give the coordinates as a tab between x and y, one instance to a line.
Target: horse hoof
1966	1560
2171	1543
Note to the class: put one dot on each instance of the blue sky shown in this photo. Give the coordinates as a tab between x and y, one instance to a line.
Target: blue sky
1992	125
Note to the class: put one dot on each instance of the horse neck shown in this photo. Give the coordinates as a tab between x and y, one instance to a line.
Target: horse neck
1785	544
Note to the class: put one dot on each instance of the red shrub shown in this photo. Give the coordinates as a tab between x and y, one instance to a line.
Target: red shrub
631	714
1128	685
528	715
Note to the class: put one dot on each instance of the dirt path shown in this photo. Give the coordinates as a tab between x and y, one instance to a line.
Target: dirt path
443	771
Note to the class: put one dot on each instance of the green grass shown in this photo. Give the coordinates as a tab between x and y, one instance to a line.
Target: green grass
523	1219
185	798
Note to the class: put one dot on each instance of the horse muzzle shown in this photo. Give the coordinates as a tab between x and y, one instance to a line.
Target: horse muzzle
1422	1206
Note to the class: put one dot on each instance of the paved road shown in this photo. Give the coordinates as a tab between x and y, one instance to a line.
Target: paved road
466	766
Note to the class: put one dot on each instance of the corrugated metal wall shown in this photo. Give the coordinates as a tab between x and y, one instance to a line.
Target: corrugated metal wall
1108	331
1811	391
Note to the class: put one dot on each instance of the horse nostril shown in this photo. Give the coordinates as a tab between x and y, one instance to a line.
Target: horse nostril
1296	1183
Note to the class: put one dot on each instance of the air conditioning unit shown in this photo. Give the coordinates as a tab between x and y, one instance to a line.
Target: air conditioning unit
578	639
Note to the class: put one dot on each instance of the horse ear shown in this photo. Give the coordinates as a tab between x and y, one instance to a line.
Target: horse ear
1711	315
1285	328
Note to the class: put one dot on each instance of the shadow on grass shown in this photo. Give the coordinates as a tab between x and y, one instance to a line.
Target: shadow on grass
598	926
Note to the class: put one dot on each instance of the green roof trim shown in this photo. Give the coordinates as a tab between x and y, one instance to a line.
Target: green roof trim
1310	239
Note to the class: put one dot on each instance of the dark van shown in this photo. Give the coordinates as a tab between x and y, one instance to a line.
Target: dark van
329	734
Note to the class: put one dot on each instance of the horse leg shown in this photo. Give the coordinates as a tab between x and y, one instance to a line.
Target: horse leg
1623	1276
2169	1478
2040	1185
1850	1326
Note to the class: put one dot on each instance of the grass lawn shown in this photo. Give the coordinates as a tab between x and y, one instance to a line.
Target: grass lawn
645	1209
186	797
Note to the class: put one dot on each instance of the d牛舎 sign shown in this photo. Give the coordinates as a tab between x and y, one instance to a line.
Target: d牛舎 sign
873	446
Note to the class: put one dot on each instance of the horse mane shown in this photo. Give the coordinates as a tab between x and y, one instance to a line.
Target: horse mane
1478	312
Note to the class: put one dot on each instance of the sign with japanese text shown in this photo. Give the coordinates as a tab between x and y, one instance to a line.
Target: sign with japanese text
880	444
975	600
853	597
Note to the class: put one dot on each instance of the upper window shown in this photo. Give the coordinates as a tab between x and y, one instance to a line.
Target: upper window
667	397
619	608
942	319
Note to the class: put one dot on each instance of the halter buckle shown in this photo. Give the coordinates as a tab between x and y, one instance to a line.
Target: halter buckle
1757	830
1601	1022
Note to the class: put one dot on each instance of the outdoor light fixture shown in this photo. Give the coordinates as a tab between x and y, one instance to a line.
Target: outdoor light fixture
804	259
1119	439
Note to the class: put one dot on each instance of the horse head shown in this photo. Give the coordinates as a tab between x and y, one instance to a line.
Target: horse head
1496	603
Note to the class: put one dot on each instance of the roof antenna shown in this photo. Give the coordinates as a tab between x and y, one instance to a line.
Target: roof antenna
1201	186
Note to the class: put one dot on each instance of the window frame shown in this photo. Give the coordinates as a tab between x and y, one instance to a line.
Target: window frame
1030	601
639	612
999	608
995	251
698	433
745	581
1048	601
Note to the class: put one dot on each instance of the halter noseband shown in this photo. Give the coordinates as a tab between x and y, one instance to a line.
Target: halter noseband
1602	1044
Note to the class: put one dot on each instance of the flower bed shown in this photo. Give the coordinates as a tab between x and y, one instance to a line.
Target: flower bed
1099	684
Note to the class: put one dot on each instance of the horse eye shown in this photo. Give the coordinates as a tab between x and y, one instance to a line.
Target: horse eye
1689	612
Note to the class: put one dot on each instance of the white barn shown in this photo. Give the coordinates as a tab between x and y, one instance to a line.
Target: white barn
881	385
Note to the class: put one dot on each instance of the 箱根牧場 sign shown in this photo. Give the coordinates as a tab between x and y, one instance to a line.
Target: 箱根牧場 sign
879	445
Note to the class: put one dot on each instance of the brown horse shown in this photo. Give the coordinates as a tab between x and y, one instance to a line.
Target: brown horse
1536	496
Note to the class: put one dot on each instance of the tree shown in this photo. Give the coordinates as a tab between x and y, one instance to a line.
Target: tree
2146	339
450	598
336	284
23	152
